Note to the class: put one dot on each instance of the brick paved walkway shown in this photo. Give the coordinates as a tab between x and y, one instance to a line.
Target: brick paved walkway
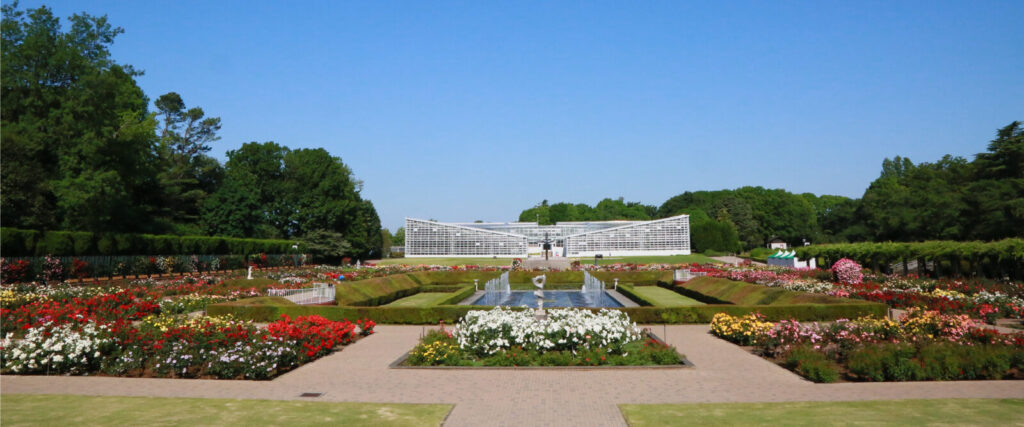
724	373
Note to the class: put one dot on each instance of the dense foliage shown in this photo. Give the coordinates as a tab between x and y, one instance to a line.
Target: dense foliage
951	199
1003	258
83	151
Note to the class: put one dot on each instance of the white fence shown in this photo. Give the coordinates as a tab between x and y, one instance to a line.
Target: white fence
320	293
686	275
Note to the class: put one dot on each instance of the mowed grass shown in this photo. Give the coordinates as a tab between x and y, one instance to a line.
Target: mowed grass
673	259
664	297
445	261
422	299
1001	412
36	410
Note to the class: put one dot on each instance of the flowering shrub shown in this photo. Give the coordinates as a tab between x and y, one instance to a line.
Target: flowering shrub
847	271
743	330
79	269
921	345
436	349
190	303
486	332
317	335
56	349
53	270
920	324
126	304
14	272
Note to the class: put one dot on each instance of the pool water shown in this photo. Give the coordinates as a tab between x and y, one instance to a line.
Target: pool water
551	299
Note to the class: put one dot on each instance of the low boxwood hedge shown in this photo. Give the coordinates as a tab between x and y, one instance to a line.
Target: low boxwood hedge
364	299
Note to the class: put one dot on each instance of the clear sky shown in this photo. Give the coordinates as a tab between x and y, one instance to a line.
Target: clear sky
471	110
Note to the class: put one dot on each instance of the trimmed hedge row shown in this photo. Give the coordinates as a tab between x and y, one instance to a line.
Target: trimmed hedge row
991	259
364	299
743	293
800	312
375	291
452	313
24	243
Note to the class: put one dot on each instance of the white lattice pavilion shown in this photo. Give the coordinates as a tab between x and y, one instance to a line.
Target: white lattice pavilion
668	236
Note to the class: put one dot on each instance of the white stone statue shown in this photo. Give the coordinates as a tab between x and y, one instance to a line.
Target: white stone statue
250	273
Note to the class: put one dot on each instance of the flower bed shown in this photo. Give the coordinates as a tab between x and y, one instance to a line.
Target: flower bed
138	329
921	345
171	346
977	298
568	337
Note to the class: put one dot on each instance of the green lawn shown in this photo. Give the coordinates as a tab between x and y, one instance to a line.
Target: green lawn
1000	412
664	297
446	261
422	299
673	259
36	410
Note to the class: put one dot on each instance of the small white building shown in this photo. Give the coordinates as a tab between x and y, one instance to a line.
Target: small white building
777	243
789	260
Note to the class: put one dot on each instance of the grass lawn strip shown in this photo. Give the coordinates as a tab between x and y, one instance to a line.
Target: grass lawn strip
888	412
673	259
20	409
664	297
445	261
422	299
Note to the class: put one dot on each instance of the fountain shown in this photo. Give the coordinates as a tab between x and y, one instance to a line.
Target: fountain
592	288
497	289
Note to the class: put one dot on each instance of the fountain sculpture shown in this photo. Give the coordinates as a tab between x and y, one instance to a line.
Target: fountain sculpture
539	293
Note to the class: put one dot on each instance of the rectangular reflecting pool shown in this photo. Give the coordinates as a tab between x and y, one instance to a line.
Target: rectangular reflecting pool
551	299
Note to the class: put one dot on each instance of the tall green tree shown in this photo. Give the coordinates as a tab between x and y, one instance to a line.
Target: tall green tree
188	175
78	143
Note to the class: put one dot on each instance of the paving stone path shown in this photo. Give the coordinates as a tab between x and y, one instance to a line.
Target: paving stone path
723	373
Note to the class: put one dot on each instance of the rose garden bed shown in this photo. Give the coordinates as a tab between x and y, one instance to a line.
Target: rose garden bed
565	338
921	345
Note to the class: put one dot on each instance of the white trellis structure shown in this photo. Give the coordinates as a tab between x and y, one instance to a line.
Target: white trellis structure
320	293
431	239
668	236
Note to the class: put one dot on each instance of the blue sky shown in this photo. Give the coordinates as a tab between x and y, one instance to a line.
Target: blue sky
476	110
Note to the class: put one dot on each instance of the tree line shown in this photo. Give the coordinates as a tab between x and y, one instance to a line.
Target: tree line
951	199
83	151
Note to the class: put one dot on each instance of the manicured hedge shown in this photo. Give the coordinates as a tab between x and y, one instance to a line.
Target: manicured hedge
457	297
25	243
366	299
743	293
991	259
375	291
384	315
800	312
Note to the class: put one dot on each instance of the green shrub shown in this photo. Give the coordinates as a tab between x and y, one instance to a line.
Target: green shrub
813	365
55	243
985	362
886	362
941	361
